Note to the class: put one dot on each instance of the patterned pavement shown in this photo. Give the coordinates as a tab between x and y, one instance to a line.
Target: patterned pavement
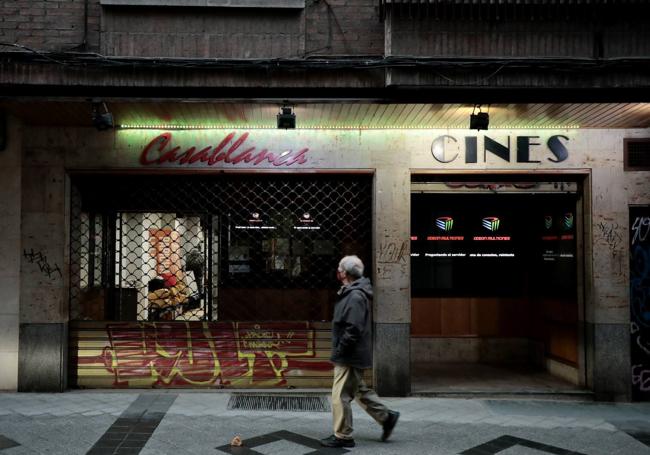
188	422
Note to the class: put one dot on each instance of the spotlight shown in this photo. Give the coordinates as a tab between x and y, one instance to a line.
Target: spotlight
286	118
101	118
479	120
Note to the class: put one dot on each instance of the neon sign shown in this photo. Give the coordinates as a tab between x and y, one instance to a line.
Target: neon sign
231	150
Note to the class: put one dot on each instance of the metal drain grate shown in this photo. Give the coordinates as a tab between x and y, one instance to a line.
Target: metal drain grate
295	403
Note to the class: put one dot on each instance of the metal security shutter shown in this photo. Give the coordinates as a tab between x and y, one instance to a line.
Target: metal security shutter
209	280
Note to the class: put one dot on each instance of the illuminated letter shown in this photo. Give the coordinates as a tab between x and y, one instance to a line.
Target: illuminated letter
438	149
299	158
470	149
235	146
523	149
215	154
162	141
557	148
499	150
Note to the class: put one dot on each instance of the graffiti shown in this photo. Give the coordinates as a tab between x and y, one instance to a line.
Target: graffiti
640	284
641	378
640	229
392	252
166	354
41	261
275	341
640	301
643	344
610	234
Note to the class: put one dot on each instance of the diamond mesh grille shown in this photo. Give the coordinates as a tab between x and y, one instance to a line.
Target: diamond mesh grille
229	247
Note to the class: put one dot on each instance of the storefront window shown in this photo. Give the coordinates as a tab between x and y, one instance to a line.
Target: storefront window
183	248
487	245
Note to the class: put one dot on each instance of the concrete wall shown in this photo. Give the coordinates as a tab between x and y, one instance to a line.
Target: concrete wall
10	255
44	274
391	276
202	33
609	317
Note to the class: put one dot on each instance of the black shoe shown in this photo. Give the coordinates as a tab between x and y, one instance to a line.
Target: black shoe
389	424
333	441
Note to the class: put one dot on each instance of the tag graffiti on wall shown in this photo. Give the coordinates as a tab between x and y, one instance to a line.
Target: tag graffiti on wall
640	301
392	252
609	233
640	229
40	260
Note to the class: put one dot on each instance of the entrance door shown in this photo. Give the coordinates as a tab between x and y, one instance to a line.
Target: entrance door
494	275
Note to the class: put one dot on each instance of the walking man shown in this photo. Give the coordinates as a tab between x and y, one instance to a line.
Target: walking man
351	354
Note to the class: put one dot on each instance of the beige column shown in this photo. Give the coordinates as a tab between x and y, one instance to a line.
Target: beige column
392	304
10	252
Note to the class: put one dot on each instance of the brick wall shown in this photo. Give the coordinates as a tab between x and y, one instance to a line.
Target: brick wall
48	25
323	27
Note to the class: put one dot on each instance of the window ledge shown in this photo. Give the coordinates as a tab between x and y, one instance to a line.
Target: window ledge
210	3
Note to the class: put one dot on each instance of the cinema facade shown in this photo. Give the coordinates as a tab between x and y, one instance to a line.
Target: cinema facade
198	256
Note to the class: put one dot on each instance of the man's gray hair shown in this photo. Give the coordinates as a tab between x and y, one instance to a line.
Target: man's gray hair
351	265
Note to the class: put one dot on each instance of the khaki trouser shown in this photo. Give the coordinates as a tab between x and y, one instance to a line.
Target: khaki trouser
349	385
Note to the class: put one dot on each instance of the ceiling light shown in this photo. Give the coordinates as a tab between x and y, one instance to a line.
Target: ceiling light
286	118
478	120
101	118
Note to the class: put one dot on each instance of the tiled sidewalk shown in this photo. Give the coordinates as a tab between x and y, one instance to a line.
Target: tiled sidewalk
153	422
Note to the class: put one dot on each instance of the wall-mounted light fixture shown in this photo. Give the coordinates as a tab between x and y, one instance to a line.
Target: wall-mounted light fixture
101	118
286	118
479	120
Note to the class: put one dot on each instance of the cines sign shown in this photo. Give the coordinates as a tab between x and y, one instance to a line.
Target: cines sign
448	149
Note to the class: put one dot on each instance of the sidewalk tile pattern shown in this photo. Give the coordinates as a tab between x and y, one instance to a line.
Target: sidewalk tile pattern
505	442
197	422
131	431
6	443
308	446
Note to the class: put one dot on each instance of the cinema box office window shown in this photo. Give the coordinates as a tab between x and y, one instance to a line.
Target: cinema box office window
210	280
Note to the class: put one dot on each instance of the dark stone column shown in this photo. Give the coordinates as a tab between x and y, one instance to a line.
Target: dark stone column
392	371
42	357
612	369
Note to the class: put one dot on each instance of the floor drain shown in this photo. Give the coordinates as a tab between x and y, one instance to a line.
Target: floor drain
293	403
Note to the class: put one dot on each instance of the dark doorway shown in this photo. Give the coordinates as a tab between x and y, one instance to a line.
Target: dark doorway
494	280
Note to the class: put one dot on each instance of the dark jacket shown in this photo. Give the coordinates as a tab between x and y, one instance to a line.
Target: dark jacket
352	325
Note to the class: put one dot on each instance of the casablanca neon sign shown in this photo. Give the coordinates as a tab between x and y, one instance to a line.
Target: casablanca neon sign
231	150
